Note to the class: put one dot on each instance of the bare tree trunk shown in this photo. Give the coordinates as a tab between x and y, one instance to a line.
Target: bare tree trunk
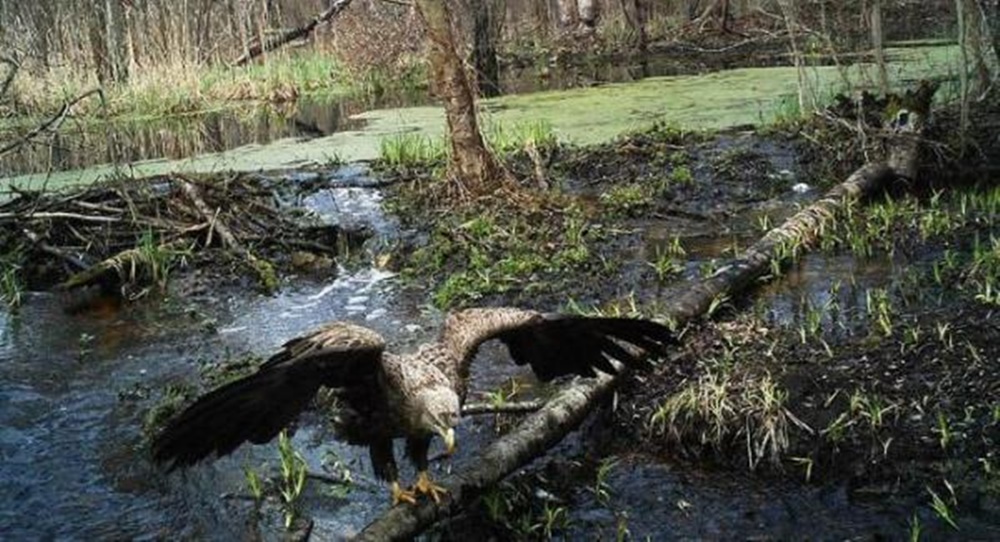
569	14
590	11
977	37
487	22
790	12
472	165
118	34
98	42
878	46
993	16
637	14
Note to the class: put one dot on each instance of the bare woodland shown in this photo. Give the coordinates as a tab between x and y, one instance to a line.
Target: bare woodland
121	37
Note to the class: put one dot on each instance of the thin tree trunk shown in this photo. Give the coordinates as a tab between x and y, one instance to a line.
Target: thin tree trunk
117	46
486	34
569	14
543	429
878	45
98	42
472	165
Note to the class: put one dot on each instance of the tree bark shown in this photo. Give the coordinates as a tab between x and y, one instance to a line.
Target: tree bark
589	12
878	44
472	166
564	412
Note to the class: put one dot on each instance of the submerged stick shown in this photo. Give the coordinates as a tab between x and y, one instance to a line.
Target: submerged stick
546	427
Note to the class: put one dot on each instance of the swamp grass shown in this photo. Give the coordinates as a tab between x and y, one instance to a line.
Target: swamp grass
177	89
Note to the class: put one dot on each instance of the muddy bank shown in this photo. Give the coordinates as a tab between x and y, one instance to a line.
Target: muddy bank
860	384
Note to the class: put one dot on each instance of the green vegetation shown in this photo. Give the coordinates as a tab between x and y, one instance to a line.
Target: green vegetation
668	262
410	150
627	199
505	249
293	478
507	138
11	285
166	90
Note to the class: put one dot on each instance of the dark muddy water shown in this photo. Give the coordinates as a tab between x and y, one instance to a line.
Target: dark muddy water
76	388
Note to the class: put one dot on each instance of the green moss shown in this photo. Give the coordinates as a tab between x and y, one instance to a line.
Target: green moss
267	277
174	398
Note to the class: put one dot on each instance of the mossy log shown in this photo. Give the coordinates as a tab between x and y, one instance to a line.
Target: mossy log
125	266
564	412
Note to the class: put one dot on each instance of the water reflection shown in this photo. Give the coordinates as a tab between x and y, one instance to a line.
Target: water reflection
125	141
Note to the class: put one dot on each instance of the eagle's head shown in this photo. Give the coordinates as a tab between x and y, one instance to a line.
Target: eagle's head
439	413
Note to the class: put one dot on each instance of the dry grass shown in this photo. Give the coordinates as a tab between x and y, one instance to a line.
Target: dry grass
725	407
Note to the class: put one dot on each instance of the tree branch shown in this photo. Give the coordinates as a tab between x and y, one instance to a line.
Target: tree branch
52	124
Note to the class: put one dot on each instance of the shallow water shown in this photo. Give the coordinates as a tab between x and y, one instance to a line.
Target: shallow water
76	388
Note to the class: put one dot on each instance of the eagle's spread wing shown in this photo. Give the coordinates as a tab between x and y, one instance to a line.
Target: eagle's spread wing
556	344
257	407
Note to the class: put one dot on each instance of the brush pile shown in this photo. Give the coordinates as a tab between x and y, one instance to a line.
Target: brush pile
127	235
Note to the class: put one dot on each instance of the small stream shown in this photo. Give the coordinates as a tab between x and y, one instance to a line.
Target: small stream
76	389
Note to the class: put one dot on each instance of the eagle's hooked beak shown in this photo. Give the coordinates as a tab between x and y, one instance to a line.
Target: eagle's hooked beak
449	440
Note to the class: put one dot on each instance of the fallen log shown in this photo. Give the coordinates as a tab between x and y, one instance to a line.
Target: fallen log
518	407
126	266
546	427
269	45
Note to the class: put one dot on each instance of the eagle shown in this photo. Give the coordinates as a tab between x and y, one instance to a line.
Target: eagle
382	396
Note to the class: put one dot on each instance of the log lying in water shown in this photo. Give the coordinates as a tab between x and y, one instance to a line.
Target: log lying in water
564	412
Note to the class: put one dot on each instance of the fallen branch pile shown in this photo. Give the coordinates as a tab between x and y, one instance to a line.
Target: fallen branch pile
546	427
130	233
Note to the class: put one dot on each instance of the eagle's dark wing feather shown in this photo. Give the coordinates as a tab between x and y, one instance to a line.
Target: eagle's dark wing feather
555	344
257	407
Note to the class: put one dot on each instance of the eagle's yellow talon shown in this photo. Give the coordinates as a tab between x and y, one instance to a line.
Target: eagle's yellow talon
426	486
401	495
